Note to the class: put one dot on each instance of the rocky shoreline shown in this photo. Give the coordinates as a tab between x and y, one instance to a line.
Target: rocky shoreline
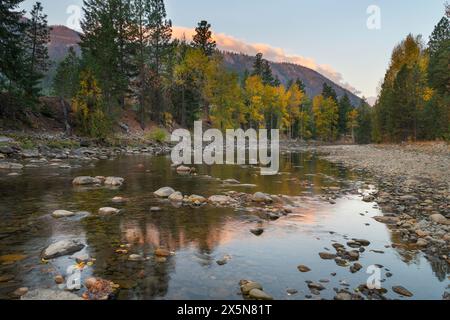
412	188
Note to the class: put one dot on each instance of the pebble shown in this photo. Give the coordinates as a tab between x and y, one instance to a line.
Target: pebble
402	291
303	268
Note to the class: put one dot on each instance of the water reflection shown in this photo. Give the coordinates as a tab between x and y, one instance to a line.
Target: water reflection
199	236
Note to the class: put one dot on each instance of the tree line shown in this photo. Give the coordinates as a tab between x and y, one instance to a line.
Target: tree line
129	60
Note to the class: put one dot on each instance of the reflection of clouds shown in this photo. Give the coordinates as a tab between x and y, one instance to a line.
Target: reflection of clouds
155	236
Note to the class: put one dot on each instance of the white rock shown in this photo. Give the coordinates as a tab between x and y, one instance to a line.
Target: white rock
107	211
219	199
62	214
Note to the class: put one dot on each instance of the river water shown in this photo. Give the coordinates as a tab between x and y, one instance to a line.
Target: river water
201	236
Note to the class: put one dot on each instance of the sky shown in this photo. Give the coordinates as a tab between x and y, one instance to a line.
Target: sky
349	41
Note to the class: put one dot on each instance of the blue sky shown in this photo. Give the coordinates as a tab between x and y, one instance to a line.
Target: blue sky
329	33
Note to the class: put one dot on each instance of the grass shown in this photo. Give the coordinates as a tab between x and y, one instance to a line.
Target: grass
158	135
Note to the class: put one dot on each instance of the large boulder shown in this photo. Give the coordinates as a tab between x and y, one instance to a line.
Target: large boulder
176	197
62	248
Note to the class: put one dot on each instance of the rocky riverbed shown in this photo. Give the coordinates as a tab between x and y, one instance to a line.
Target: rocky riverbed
127	219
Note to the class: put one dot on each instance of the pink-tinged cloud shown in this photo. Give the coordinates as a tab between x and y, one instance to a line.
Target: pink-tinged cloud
229	43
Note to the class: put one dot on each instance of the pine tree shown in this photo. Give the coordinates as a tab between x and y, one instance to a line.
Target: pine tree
301	85
106	44
345	107
37	36
160	34
329	92
441	33
363	132
267	75
258	66
66	81
11	48
203	38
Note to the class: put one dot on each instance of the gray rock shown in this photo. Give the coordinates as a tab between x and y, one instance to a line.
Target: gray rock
49	295
84	181
261	198
114	181
62	248
164	192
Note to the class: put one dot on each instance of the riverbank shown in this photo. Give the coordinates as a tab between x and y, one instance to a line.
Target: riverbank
413	190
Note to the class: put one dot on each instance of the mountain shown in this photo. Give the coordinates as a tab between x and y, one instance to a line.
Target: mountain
239	62
62	38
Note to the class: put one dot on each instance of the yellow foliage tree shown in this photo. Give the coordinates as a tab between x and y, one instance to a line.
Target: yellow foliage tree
326	117
88	107
352	123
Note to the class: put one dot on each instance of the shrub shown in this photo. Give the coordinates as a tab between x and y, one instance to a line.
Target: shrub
159	135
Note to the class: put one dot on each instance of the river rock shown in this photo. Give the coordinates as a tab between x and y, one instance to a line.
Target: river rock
160	252
136	258
84	181
196	199
257	231
119	200
108	211
387	220
49	295
249	286
10	166
343	296
260	197
165	192
303	268
327	256
114	181
231	181
98	289
59	279
220	200
62	248
402	291
62	214
259	295
176	197
184	169
439	219
315	286
20	292
355	268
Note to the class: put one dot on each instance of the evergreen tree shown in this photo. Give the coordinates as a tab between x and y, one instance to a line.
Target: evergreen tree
441	33
37	36
11	48
258	66
363	132
160	34
267	75
66	81
203	38
301	85
329	92
106	43
345	107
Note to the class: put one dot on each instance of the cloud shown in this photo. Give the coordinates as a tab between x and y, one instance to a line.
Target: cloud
230	43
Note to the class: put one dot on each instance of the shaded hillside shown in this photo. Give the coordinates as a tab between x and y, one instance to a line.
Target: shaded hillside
62	38
286	71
